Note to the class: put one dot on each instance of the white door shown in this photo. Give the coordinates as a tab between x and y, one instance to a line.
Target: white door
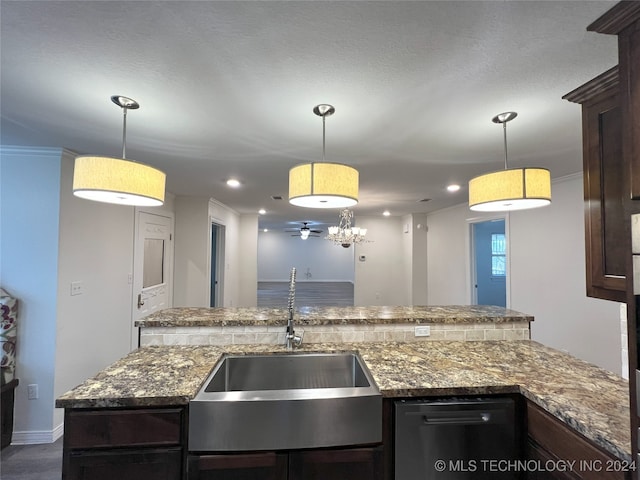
152	267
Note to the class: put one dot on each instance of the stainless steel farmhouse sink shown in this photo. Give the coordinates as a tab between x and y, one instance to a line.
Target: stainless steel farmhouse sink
286	401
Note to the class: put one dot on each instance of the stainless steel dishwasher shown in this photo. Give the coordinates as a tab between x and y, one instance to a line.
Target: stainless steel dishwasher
456	438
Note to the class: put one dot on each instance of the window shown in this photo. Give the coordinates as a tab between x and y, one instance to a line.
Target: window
153	260
498	255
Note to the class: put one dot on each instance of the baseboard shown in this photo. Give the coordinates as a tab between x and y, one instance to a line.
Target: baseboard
37	436
304	280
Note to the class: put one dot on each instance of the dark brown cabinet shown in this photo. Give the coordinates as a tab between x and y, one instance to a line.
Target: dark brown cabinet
344	464
623	20
605	186
563	454
124	444
335	463
151	464
242	466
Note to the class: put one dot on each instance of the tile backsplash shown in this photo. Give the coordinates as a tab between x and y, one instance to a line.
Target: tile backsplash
332	333
623	341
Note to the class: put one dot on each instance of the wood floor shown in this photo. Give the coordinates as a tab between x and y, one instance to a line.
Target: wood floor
308	294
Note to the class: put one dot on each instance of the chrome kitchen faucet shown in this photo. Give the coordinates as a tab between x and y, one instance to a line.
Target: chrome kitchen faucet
291	339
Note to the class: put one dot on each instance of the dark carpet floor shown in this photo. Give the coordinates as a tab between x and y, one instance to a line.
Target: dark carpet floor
32	462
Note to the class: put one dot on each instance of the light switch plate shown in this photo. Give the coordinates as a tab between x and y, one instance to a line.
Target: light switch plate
32	391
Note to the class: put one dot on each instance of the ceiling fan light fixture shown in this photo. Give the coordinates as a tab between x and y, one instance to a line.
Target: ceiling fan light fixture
118	180
510	189
323	184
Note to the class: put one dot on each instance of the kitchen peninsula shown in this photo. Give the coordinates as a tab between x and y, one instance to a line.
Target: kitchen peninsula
134	412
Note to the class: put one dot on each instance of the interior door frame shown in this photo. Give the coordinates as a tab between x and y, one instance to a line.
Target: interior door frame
135	331
219	260
472	293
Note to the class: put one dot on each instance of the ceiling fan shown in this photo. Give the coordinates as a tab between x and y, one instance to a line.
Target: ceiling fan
304	232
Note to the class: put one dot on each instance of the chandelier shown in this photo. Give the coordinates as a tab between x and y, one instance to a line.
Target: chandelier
344	234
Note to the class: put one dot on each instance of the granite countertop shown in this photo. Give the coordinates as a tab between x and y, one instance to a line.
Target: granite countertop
224	316
591	400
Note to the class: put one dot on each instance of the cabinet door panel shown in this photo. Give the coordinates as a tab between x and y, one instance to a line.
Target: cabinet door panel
541	456
347	464
249	466
604	199
552	436
154	464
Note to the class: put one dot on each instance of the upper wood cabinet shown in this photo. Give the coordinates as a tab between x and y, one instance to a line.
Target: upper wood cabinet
605	185
623	20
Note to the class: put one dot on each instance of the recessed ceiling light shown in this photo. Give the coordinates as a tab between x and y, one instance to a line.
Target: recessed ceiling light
386	213
232	182
453	188
262	211
265	230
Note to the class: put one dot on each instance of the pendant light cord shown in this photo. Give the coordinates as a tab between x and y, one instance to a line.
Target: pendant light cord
504	128
323	136
124	133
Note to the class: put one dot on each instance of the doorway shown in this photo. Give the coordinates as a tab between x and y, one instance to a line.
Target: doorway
152	267
489	252
216	267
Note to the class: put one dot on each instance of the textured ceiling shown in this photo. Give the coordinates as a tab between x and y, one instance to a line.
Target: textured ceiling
227	89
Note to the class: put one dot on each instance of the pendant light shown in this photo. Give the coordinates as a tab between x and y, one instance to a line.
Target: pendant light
115	180
510	189
323	185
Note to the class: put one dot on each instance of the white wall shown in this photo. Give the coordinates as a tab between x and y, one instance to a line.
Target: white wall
50	238
238	283
447	256
382	278
192	256
191	252
29	216
248	261
96	248
548	280
326	262
547	274
414	242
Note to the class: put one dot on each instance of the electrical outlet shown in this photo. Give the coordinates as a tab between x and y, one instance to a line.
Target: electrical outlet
423	331
32	391
77	288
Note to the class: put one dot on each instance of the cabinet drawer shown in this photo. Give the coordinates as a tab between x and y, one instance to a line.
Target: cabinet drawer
561	442
122	428
245	466
146	464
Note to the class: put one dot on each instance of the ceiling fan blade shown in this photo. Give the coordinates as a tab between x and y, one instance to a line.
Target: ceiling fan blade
316	231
